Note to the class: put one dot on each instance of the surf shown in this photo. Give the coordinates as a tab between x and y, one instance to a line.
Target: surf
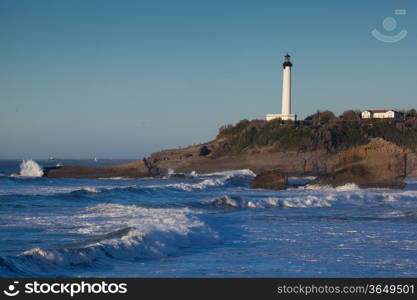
29	168
115	232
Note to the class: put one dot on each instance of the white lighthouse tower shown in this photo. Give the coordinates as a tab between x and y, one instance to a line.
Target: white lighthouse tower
286	93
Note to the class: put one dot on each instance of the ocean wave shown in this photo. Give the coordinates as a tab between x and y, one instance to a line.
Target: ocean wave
29	168
90	190
225	201
36	190
269	202
299	198
132	246
11	267
73	191
200	186
345	187
232	173
122	232
236	178
102	189
304	202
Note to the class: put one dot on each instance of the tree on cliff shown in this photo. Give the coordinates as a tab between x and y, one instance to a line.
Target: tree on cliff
412	113
321	117
351	115
321	131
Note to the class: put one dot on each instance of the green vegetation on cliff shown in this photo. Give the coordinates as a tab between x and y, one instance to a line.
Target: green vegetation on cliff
321	131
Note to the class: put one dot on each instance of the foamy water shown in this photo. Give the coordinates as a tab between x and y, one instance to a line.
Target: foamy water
29	168
126	232
202	225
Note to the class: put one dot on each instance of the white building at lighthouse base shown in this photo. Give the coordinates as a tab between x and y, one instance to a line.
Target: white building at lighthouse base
270	117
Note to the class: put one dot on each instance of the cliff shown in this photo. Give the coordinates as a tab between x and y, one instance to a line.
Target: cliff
295	148
378	164
290	162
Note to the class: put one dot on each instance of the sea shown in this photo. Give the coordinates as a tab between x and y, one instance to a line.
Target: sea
200	225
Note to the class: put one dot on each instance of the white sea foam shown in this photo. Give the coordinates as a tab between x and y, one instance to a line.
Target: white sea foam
127	232
90	190
346	187
201	185
29	168
210	180
233	173
224	201
288	202
304	202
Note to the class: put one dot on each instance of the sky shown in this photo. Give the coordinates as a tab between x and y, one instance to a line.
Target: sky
122	79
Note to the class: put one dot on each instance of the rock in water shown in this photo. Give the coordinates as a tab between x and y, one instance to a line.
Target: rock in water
136	169
272	179
378	164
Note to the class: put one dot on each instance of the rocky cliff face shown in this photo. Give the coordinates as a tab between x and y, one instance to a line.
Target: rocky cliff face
221	154
292	162
411	161
376	164
203	159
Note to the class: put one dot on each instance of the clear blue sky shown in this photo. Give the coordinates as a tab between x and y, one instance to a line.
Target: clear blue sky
85	78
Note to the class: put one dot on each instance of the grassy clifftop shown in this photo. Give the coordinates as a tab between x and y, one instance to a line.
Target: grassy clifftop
322	131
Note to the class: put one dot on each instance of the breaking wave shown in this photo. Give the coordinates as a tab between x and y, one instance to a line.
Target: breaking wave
200	186
238	178
123	244
85	190
345	187
286	202
29	168
243	172
122	232
90	190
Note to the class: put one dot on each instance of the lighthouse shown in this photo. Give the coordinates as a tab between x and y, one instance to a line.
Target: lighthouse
286	93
